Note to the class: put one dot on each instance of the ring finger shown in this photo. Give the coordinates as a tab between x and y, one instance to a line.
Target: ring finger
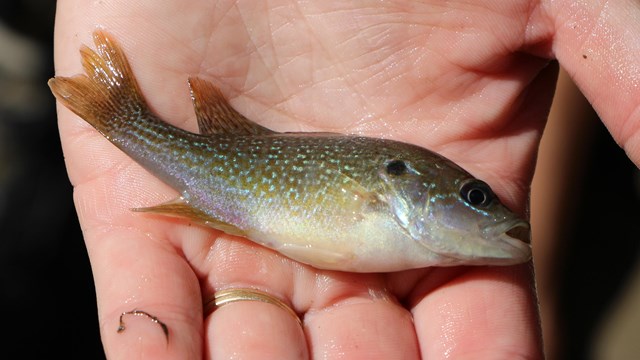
241	325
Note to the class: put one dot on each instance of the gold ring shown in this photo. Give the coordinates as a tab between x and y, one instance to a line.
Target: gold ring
228	296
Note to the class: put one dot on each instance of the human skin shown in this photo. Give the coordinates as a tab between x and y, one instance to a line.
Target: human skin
470	80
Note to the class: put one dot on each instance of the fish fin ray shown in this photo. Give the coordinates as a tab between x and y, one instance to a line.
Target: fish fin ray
107	93
215	115
361	199
320	258
181	209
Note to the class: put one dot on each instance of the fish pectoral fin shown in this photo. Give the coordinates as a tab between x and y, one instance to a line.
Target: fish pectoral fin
356	198
180	208
320	258
215	115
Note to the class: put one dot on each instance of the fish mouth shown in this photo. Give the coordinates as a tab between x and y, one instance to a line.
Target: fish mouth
515	239
521	230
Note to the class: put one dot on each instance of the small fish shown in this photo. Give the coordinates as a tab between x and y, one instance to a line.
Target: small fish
333	201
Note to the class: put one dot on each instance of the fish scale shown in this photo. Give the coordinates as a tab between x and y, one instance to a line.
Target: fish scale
333	201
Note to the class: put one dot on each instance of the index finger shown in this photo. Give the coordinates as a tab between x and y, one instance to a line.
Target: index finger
598	44
134	262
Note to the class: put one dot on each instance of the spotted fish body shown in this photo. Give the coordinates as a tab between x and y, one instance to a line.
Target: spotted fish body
333	201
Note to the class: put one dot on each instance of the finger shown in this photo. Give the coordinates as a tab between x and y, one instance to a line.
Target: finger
362	328
127	276
254	330
484	313
134	267
599	46
250	329
354	317
133	263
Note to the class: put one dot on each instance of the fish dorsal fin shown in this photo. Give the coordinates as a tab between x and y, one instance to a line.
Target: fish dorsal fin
215	114
180	208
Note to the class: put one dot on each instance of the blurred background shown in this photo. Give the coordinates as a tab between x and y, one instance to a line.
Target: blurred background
46	289
585	218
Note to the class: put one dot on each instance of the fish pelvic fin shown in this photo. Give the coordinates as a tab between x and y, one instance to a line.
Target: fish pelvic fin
216	116
181	209
107	94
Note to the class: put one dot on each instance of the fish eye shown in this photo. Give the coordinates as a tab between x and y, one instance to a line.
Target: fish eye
396	167
476	193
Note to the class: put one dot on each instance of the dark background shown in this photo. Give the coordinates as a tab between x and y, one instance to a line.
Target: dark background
47	293
46	287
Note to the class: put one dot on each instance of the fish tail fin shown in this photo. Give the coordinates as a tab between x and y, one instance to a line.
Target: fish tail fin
107	95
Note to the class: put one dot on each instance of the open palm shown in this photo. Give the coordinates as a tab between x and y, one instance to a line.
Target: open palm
470	81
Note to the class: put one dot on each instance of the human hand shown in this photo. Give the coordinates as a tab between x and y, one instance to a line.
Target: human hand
470	83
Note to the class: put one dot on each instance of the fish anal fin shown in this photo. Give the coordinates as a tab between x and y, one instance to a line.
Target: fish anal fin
215	115
181	209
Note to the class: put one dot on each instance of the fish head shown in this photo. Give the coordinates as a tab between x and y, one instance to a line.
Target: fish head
453	214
